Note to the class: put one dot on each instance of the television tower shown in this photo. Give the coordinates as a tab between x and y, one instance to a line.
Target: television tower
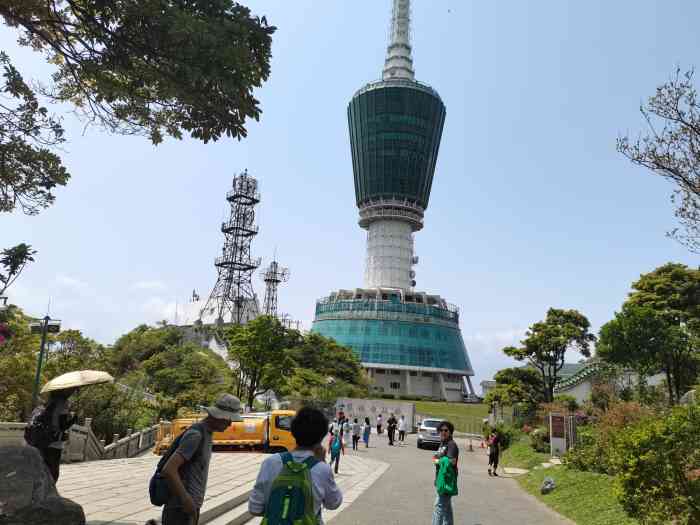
233	297
273	276
408	340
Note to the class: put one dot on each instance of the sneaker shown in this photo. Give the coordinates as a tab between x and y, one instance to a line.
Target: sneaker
490	472
495	474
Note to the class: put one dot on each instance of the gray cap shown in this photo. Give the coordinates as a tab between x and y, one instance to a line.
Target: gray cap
226	407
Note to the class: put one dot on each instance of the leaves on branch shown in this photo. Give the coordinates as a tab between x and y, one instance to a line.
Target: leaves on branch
671	149
151	67
29	170
13	261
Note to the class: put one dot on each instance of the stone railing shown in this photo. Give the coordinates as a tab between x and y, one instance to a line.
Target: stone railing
83	445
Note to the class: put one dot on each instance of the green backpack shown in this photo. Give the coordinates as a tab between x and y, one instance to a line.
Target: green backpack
446	481
291	498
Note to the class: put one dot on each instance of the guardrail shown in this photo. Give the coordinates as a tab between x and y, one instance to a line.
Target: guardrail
83	445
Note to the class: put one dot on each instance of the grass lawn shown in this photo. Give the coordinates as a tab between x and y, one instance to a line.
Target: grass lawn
585	498
521	455
466	417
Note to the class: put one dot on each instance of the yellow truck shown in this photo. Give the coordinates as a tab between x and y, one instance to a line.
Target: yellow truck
267	431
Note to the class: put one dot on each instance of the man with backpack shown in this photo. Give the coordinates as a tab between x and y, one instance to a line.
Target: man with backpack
293	487
391	429
185	467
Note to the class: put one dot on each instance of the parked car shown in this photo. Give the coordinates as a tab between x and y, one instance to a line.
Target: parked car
428	433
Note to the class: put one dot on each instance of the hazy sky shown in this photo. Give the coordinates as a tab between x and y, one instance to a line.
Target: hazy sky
531	205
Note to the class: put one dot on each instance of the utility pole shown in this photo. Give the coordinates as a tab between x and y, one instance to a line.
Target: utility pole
44	326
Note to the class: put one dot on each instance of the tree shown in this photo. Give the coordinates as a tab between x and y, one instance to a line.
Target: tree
190	374
672	290
517	385
640	338
134	348
671	150
18	365
546	343
13	261
149	66
29	170
325	356
258	349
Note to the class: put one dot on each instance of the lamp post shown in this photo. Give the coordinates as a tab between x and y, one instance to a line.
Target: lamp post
43	327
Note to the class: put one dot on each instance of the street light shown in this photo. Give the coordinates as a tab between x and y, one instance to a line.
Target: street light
46	325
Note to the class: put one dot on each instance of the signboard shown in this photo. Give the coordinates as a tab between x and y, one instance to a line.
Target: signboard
557	424
557	434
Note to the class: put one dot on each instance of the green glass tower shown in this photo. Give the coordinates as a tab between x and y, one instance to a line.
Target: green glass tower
409	341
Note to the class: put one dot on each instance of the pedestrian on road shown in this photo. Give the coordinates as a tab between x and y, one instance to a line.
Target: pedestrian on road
309	427
355	434
391	425
347	431
337	448
442	513
402	429
366	432
48	427
379	424
494	443
187	469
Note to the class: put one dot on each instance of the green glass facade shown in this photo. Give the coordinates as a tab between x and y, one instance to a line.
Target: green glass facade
386	333
395	131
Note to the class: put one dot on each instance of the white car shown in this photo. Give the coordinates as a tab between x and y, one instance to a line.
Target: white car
428	432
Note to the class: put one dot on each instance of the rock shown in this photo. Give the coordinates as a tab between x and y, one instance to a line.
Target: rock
548	485
28	494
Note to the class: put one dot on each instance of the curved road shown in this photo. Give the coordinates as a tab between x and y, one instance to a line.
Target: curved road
404	494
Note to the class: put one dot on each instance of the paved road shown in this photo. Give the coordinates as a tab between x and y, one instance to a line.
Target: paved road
404	494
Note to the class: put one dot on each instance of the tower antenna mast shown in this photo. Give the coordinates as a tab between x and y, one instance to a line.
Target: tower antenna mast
233	298
399	62
273	276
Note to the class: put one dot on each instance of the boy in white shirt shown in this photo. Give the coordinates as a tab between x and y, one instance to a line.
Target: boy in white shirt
309	427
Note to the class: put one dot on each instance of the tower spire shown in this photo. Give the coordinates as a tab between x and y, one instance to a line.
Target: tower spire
399	63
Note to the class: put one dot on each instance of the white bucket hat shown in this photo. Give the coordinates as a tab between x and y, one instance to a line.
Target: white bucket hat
226	407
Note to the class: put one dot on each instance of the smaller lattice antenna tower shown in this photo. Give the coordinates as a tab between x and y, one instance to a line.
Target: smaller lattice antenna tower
273	276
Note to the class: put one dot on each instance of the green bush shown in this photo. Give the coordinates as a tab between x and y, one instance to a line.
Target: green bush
658	468
568	401
539	439
587	455
596	443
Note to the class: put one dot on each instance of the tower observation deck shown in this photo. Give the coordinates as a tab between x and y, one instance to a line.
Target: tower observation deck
395	126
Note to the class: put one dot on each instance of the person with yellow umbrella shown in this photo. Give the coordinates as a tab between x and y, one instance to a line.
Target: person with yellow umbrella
48	425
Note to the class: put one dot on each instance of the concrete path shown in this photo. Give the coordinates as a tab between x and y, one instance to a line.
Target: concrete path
115	491
405	494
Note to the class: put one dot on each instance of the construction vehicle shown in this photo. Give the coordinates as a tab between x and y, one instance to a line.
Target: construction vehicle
266	431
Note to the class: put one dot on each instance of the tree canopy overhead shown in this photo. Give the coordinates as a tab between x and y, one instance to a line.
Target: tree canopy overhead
29	170
151	67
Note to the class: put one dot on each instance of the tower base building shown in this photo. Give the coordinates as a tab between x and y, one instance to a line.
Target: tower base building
409	341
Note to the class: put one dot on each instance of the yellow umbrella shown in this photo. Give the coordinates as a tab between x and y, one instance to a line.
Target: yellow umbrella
76	380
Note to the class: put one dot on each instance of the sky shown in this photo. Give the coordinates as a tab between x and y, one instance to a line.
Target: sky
531	205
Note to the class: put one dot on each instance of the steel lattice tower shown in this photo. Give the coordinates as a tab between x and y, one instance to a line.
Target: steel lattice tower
233	296
273	276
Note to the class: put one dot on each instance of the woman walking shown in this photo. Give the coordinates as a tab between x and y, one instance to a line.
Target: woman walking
366	432
494	443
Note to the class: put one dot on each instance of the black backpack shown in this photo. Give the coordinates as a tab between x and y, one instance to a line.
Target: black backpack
39	432
158	489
